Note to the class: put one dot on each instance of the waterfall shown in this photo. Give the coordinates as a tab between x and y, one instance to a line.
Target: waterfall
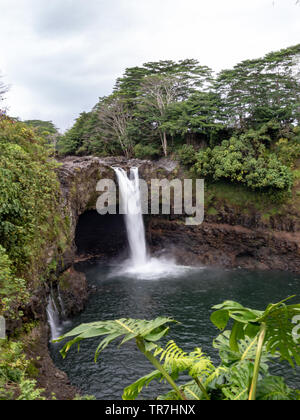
140	265
56	313
131	200
53	318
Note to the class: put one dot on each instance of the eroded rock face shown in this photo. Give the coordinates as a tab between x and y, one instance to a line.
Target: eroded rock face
73	292
227	246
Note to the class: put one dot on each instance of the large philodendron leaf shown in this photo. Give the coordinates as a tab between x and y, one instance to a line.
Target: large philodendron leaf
132	391
279	338
239	380
246	351
278	321
127	329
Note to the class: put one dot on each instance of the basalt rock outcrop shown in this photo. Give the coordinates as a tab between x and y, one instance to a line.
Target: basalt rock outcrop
227	246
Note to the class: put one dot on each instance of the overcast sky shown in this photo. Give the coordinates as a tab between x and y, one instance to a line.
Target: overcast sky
59	56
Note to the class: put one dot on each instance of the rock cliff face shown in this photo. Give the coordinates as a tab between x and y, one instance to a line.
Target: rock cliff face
227	246
227	238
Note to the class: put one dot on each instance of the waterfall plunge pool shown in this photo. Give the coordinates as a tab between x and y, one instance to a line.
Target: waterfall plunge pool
187	297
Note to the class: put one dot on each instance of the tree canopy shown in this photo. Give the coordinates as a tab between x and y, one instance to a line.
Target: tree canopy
182	108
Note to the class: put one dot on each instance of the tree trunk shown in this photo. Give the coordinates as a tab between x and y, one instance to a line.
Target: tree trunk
165	143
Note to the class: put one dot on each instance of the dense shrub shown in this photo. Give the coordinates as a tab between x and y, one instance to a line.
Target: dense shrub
13	290
288	150
244	160
187	155
16	381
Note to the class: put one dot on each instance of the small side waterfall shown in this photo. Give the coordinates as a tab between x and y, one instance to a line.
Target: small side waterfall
131	199
56	313
53	318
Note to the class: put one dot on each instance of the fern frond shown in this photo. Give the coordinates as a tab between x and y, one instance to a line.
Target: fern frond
201	364
173	356
216	377
174	360
177	360
190	389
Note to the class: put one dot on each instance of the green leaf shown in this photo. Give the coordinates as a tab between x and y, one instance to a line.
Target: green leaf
132	391
124	328
237	333
220	318
278	319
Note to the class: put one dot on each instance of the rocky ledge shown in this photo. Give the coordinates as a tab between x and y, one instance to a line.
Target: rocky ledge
227	246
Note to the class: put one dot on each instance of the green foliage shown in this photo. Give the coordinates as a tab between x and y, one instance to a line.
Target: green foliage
257	91
84	398
288	150
278	321
246	160
175	361
73	140
15	379
29	391
148	331
29	198
273	388
142	151
187	155
256	338
13	291
45	129
163	101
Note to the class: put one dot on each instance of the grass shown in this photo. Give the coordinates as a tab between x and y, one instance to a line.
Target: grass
243	199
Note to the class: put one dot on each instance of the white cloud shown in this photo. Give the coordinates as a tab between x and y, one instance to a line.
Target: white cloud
60	56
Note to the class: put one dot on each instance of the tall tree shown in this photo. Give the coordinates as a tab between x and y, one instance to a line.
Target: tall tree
160	85
199	114
45	129
75	138
157	93
114	117
256	91
192	75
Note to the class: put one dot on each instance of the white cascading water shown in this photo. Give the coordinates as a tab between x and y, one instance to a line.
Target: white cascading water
140	264
54	315
53	319
131	198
